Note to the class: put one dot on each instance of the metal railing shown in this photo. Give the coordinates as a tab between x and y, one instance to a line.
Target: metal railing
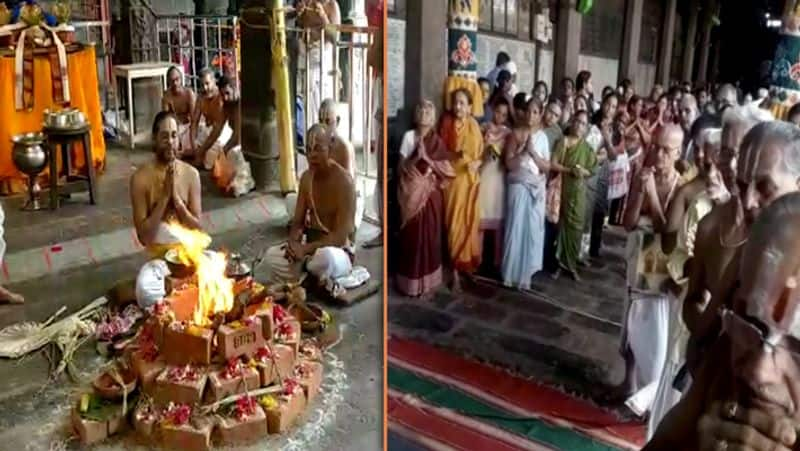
92	22
191	42
197	41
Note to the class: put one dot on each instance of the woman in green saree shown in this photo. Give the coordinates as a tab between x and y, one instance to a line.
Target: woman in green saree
576	161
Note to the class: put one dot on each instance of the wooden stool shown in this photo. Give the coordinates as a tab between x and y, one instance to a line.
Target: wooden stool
60	139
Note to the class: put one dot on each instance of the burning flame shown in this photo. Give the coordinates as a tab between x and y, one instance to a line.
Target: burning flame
214	288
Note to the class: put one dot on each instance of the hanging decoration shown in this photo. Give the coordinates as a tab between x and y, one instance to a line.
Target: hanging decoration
462	42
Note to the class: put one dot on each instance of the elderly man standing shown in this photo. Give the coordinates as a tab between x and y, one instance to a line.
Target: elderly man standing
644	334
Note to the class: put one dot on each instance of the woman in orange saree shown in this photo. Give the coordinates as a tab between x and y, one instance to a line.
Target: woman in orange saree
463	138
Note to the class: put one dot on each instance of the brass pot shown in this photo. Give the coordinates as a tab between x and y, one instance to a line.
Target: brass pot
29	155
5	14
61	10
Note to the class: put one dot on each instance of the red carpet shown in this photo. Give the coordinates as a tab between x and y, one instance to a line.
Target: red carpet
561	418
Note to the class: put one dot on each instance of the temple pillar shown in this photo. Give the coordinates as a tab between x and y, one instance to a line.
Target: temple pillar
426	52
691	41
667	39
705	43
568	42
632	35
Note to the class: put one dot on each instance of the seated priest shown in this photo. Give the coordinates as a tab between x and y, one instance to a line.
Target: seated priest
231	171
210	127
342	153
181	101
319	240
164	190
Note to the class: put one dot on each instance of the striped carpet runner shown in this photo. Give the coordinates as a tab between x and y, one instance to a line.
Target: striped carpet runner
440	401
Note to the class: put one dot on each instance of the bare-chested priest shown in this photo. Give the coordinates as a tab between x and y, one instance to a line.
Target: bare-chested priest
180	100
209	124
343	152
644	333
164	189
319	239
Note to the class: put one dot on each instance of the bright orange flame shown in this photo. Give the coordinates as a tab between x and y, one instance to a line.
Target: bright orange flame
215	290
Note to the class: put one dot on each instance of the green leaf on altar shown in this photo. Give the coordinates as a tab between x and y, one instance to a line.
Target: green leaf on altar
584	6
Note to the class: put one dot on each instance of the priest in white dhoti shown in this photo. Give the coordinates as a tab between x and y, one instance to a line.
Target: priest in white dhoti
343	154
320	241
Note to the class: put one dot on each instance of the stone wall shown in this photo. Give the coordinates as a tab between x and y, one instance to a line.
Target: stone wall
522	53
604	70
396	64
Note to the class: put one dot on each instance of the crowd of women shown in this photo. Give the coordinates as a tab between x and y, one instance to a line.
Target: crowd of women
529	186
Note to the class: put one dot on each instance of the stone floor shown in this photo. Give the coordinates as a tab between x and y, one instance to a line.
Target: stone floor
77	218
34	410
560	332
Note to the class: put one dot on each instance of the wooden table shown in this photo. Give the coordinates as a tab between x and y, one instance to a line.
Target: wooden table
62	140
132	72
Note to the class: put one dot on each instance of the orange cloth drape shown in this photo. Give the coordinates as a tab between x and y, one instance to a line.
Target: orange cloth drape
84	95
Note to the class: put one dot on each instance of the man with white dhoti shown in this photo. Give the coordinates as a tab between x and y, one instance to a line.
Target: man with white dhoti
645	327
343	154
317	52
691	204
164	190
180	100
319	240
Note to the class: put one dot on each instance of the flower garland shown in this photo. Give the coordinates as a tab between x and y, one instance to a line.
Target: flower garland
290	388
285	332
183	374
265	354
234	368
146	343
244	408
279	314
177	414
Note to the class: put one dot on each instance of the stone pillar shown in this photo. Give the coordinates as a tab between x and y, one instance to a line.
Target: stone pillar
667	38
705	43
691	40
568	42
426	52
631	38
358	17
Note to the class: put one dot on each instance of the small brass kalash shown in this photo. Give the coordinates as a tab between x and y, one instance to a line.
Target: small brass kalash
30	157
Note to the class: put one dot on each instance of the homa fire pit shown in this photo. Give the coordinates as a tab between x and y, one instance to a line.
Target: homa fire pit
215	362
